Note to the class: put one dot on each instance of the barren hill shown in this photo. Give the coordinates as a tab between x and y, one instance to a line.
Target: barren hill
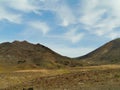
106	54
22	54
25	55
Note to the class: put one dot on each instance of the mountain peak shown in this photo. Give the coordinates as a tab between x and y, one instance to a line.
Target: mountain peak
18	42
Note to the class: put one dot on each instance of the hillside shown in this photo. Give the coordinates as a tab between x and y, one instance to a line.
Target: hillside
106	54
24	55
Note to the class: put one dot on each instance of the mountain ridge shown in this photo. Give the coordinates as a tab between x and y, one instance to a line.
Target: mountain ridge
22	54
108	53
25	55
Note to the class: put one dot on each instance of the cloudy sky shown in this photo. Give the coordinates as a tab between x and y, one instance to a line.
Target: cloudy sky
69	27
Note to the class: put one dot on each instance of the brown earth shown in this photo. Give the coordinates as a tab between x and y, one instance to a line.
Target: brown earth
106	77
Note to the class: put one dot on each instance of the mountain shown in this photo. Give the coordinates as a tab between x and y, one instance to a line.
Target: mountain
24	55
106	54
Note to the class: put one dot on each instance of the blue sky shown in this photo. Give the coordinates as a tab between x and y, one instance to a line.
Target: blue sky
69	27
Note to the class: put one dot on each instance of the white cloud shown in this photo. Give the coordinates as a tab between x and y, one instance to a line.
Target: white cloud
12	10
22	5
39	26
66	15
9	16
114	35
73	36
63	12
90	18
35	29
101	17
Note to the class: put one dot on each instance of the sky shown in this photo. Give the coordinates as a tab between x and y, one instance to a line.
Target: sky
69	27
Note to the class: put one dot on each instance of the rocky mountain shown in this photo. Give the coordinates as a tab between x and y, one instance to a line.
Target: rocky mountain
22	55
106	54
25	55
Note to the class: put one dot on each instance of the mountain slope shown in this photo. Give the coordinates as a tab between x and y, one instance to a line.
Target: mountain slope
26	55
107	54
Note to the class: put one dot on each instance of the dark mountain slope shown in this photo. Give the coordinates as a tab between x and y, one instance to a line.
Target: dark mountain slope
26	55
107	54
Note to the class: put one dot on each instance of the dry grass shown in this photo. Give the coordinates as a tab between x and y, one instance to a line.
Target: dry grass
86	77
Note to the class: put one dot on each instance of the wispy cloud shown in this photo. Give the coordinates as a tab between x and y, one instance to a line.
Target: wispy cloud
39	26
101	17
10	16
22	5
113	35
73	35
35	29
13	11
66	15
63	12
